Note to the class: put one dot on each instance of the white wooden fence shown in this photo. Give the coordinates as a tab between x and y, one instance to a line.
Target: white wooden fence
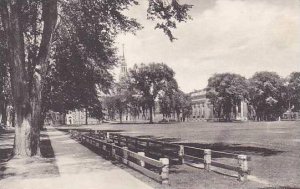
119	144
137	161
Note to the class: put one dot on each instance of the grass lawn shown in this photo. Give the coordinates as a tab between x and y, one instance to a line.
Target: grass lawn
273	146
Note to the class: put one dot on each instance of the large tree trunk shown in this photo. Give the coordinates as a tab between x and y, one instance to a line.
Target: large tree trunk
27	98
19	78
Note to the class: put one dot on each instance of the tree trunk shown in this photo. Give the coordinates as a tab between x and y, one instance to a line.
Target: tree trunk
86	116
42	117
120	114
178	116
151	116
11	21
27	99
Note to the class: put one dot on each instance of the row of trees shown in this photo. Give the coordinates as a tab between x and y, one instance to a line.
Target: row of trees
54	51
267	94
145	85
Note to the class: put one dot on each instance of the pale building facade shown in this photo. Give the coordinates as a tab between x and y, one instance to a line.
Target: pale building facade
202	109
78	117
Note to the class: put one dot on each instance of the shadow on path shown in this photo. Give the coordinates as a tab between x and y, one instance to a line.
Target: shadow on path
32	167
46	147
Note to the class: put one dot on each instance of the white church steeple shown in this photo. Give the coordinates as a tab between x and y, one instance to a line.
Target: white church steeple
123	72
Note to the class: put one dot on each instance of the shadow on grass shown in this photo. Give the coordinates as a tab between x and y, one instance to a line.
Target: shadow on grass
233	148
44	166
5	154
6	150
159	139
6	147
147	137
145	123
132	123
88	130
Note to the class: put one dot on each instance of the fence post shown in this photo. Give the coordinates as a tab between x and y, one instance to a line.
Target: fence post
113	151
79	137
126	141
74	134
207	159
147	147
181	154
165	170
243	164
141	162
136	143
119	139
83	139
125	155
99	135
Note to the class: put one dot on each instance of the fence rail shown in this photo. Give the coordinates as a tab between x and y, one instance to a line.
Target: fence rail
174	152
207	154
132	159
150	147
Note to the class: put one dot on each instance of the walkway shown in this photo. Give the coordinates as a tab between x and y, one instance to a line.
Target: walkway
79	168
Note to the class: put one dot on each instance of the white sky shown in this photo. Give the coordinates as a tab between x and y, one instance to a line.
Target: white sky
240	36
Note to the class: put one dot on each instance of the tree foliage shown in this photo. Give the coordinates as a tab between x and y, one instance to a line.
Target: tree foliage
294	90
168	14
266	94
86	31
85	51
167	99
149	80
119	99
183	105
225	91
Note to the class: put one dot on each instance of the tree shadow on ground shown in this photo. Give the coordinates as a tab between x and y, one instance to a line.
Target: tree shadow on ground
131	123
6	146
234	148
169	139
152	137
46	147
33	167
112	131
159	139
88	130
5	154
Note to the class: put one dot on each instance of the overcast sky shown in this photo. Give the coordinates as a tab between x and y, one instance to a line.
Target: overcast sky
240	36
